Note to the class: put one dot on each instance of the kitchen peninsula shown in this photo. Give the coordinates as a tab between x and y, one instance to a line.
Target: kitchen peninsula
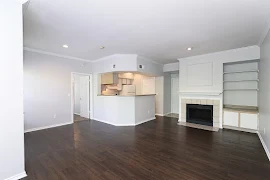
128	99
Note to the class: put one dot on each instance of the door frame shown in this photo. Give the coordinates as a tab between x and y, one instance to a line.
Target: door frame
91	110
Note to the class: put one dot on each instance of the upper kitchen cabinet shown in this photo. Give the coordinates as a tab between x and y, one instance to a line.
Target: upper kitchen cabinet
126	75
109	78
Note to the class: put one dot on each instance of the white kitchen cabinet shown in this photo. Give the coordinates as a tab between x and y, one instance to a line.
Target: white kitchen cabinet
231	118
124	81
249	121
126	75
109	78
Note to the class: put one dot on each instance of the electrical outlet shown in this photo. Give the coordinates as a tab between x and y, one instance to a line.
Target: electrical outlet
263	130
54	116
148	111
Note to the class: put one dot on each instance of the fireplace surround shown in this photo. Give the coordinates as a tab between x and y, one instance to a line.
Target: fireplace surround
199	114
215	103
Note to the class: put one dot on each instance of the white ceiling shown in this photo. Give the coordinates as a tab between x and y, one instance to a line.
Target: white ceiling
158	29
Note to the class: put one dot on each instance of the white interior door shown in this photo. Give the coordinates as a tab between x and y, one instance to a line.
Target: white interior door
175	95
85	96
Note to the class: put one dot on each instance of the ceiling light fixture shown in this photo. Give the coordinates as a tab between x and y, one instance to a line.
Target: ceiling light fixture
189	49
65	46
101	47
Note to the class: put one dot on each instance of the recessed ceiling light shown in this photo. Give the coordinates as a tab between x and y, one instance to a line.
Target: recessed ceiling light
65	46
189	49
101	47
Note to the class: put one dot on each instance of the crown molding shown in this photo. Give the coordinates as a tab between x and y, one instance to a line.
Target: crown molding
103	58
55	54
83	60
265	31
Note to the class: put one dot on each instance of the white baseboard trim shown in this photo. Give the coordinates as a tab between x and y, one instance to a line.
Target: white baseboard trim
144	121
264	146
77	114
239	129
17	176
100	120
167	113
135	124
163	114
46	127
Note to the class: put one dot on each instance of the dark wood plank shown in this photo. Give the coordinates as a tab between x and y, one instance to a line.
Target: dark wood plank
79	118
158	149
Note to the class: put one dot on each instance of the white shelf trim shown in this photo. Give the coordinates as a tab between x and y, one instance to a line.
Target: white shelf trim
201	93
241	89
241	80
241	71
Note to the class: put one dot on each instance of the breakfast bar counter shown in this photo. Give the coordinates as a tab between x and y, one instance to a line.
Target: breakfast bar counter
128	110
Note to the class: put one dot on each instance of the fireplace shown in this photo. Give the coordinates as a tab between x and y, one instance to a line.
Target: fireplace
199	114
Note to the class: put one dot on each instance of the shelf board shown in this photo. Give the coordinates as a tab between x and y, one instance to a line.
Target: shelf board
243	80
240	71
201	93
241	89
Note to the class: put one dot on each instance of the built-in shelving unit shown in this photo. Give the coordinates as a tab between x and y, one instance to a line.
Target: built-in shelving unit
240	83
240	96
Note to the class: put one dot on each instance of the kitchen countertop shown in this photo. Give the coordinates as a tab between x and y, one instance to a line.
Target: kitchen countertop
128	95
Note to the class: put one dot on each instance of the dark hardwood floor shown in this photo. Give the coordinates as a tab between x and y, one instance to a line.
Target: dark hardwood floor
158	149
79	118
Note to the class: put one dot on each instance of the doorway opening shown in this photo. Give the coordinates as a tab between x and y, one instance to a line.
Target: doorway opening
81	97
171	94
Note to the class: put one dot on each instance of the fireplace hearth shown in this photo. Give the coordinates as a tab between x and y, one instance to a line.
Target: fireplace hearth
199	114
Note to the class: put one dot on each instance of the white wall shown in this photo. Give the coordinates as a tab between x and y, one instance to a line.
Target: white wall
204	73
167	93
171	67
127	62
159	98
113	110
144	108
11	68
264	92
149	66
122	62
77	102
47	89
174	93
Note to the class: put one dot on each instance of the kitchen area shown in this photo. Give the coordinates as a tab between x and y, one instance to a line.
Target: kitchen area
127	98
